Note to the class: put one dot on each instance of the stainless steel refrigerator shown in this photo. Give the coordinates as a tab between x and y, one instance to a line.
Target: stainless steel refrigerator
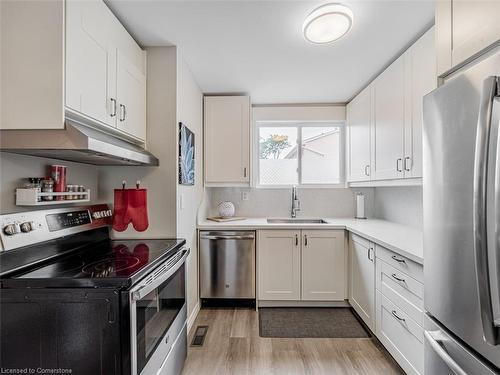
461	190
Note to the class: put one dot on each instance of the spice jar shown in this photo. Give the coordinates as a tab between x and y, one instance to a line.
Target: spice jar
35	184
81	189
48	187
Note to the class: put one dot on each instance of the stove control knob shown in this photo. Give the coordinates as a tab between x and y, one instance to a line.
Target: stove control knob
96	215
10	229
109	213
26	227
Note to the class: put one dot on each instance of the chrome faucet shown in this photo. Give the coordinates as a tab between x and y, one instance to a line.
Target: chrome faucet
295	202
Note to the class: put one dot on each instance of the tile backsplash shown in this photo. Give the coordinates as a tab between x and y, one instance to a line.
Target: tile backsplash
315	202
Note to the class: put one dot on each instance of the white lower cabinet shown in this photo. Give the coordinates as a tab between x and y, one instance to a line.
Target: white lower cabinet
323	265
400	309
301	265
362	279
279	264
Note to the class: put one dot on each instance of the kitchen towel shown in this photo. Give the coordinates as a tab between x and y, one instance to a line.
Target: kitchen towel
130	206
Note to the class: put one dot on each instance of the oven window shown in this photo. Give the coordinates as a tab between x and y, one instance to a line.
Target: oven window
156	313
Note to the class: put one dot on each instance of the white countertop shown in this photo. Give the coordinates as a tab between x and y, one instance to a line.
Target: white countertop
402	239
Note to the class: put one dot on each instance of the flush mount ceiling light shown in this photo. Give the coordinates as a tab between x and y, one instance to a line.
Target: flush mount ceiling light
327	23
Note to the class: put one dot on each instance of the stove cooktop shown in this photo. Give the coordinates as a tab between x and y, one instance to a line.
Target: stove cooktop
104	264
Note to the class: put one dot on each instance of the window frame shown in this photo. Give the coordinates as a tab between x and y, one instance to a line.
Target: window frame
299	125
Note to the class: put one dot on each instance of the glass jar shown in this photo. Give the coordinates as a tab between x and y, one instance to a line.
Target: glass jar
48	187
35	183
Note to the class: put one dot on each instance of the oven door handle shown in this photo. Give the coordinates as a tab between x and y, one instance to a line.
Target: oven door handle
143	289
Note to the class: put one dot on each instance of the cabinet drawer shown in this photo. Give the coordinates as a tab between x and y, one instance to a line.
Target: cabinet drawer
401	263
401	335
407	293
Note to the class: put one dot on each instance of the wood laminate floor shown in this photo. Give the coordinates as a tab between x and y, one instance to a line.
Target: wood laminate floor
233	346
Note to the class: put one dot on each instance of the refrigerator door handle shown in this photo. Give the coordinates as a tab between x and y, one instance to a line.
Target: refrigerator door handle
434	338
480	205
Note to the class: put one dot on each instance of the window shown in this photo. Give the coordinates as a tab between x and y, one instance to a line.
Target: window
281	162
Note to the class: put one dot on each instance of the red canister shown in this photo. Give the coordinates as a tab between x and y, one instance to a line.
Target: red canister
58	173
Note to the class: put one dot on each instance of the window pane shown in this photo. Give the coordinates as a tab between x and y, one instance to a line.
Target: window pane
321	155
278	155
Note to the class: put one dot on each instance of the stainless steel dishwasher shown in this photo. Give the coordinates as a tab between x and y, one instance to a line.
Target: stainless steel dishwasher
227	265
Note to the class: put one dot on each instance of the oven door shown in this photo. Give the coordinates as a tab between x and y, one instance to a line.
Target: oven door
158	315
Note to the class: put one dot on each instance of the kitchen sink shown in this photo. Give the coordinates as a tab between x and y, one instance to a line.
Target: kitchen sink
296	221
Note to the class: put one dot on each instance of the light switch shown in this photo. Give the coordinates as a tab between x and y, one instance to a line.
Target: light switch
244	195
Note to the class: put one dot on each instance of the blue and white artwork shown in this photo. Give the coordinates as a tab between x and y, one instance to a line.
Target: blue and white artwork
186	155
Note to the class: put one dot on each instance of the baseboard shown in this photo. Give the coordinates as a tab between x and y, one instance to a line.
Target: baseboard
303	303
193	316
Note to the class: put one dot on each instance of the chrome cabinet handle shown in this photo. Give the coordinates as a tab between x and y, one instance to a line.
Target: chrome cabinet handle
122	112
406	163
395	314
367	170
399	260
222	237
296	240
245	172
113	106
480	207
394	276
399	160
370	256
305	239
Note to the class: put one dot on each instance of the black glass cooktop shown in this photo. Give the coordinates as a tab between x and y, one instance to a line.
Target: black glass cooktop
104	264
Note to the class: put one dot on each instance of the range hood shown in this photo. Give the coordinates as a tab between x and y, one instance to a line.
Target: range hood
78	143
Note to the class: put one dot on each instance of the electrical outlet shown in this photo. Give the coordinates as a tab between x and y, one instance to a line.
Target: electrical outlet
245	196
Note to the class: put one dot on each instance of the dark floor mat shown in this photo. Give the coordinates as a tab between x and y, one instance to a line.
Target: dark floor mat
299	322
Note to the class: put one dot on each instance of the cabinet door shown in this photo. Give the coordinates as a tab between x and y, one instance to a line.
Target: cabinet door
387	138
475	26
359	122
323	265
420	80
362	280
279	264
86	59
227	139
131	98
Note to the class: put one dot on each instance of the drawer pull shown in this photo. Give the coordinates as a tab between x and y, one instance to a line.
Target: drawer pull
397	278
399	260
395	314
296	240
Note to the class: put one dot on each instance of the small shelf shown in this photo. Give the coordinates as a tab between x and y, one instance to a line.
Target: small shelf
29	197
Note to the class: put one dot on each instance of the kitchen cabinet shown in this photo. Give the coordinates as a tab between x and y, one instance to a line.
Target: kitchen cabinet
362	279
359	119
389	113
464	28
279	264
400	308
102	82
82	66
227	140
421	79
388	124
323	265
301	265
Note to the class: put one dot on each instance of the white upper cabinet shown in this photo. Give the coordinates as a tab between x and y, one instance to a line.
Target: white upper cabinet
463	29
388	124
131	98
389	113
81	56
105	77
227	140
421	78
86	59
323	265
359	116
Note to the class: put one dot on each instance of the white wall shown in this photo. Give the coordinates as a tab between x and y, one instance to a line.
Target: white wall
315	202
190	113
399	204
14	169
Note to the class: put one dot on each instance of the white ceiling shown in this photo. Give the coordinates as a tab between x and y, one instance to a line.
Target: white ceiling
257	47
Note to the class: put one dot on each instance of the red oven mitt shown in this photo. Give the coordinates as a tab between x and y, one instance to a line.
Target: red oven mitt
138	208
121	219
